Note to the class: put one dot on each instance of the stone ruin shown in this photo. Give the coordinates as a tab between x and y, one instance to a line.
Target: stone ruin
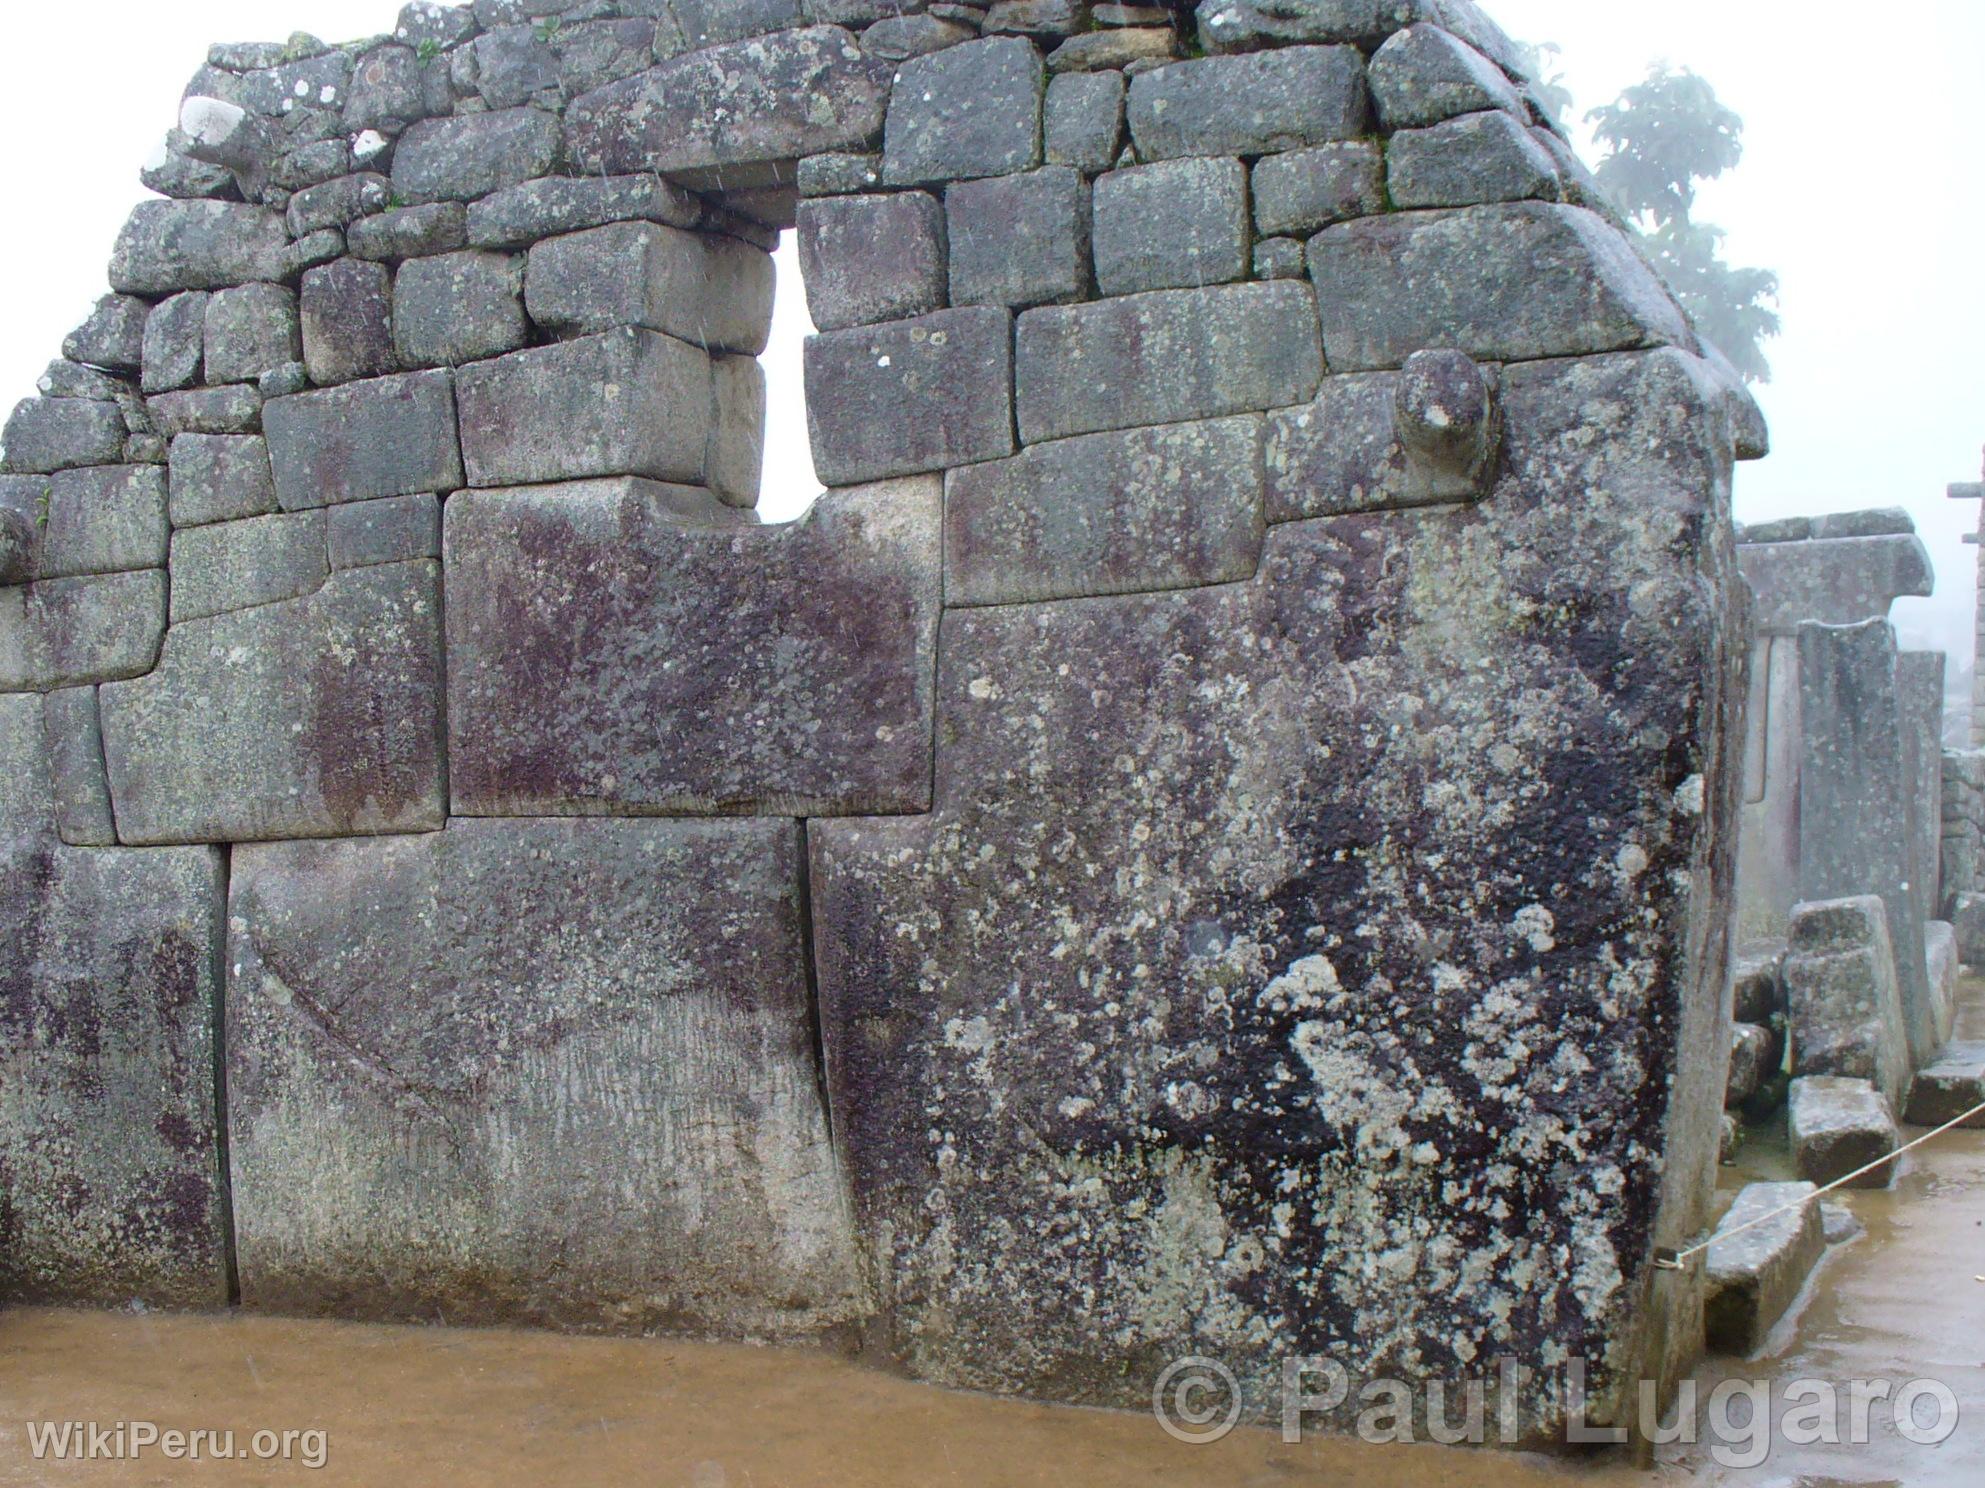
1214	836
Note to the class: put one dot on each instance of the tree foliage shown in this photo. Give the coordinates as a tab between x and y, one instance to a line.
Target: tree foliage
1663	138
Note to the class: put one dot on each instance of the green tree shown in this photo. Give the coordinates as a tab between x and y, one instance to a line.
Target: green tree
1663	138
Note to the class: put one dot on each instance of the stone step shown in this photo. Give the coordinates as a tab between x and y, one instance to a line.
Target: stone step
1949	1086
1839	1125
1754	1276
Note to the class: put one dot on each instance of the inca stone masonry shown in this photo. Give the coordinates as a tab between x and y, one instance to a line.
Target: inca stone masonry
1213	837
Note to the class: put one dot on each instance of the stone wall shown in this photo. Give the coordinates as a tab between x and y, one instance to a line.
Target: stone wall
1213	837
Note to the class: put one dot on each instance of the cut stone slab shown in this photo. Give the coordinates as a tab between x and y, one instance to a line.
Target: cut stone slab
391	436
1083	123
472	155
66	632
1019	240
49	434
1486	157
1843	1004
1755	1277
235	409
714	292
1751	1050
910	395
1252	105
410	232
1855	828
1839	1125
1301	191
629	402
112	336
109	1169
1949	1086
1425	75
734	461
1186	856
1160	508
312	717
971	110
219	477
1943	970
1171	356
1839	582
458	307
622	647
250	332
104	519
772	98
519	216
167	246
1515	281
347	322
392	530
1173	224
556	1072
237	565
75	764
175	338
865	259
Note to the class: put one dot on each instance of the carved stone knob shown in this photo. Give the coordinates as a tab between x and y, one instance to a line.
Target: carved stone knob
1446	416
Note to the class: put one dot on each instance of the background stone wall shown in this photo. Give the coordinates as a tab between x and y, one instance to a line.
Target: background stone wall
1214	836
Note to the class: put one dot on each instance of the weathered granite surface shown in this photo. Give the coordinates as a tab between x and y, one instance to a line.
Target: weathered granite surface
1950	1087
623	647
311	717
1261	927
1842	999
1754	1277
1839	1126
530	1090
110	1173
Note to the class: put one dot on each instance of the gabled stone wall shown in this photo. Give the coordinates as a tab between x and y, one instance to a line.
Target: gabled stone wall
1214	837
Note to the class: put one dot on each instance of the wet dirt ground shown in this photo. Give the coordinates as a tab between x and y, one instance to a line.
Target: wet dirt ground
417	1406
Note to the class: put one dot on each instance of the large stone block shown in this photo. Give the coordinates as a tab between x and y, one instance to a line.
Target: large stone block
1854	802
1303	190
104	519
1293	856
471	155
313	717
620	647
1840	581
1951	1087
390	530
1019	240
458	307
714	292
1252	105
1172	225
1485	157
392	436
1843	1006
1511	282
109	1169
551	1072
865	259
629	402
1160	508
971	110
347	320
94	628
48	434
251	331
518	216
167	246
234	409
238	565
175	339
80	791
775	98
734	462
410	232
218	478
1166	357
1426	74
1840	1126
1083	122
113	335
1755	1276
911	395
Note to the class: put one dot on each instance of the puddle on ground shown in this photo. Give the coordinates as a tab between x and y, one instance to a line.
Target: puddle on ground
416	1406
